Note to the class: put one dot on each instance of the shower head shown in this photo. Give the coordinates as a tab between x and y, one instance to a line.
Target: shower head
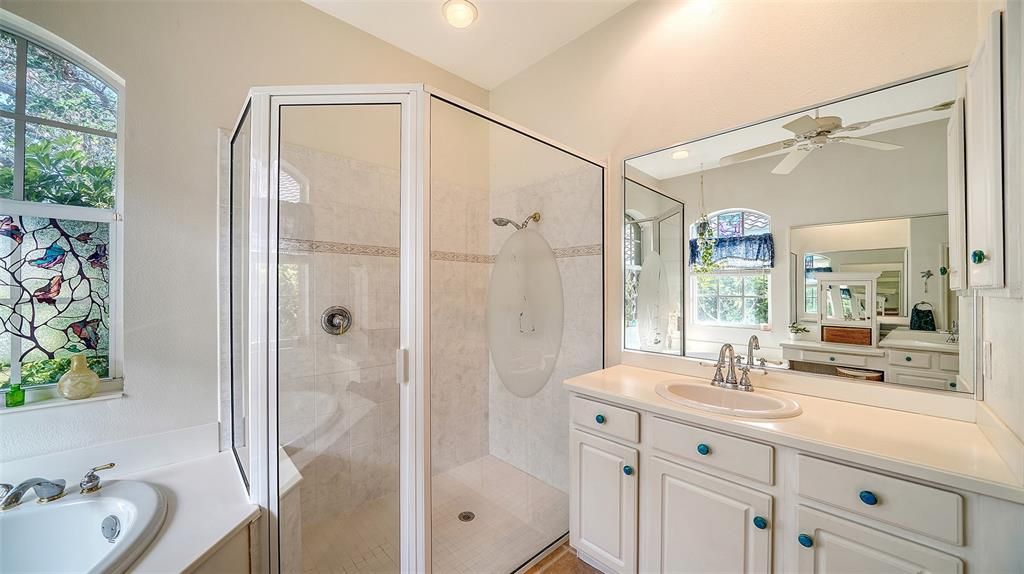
502	222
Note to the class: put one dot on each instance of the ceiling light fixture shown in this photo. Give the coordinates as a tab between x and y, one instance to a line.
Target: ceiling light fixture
680	154
459	13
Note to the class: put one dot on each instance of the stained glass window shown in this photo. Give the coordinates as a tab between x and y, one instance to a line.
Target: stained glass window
58	182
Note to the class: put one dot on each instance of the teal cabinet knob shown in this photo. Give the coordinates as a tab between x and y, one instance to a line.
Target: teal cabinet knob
978	256
908	358
952	385
627	470
805	540
868	497
703	449
760	522
600	419
832	358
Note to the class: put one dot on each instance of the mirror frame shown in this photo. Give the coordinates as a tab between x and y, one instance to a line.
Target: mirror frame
977	366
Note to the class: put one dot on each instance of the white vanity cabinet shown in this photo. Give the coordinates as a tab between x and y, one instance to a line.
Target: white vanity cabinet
604	491
655	492
832	545
695	522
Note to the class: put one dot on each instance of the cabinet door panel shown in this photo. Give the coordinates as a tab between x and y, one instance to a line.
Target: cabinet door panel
839	546
698	523
984	124
604	502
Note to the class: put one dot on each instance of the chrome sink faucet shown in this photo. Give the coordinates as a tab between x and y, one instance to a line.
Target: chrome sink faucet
753	344
729	380
46	491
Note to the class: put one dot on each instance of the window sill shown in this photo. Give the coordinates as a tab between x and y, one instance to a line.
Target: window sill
47	397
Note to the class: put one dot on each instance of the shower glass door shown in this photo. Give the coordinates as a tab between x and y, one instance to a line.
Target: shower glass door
338	291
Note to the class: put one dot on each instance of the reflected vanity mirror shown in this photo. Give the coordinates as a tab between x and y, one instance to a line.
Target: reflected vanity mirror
824	233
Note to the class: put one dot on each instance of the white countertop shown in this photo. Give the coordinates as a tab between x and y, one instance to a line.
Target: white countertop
943	451
206	504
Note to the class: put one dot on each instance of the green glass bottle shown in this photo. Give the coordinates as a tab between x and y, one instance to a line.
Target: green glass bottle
15	396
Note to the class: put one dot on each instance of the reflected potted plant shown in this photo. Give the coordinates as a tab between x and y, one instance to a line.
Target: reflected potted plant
704	262
798	332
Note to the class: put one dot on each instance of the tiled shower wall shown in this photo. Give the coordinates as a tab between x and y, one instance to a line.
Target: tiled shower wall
533	433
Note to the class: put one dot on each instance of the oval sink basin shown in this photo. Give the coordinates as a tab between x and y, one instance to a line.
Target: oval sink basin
69	535
703	396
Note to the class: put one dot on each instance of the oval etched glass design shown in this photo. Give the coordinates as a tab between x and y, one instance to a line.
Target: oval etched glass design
524	313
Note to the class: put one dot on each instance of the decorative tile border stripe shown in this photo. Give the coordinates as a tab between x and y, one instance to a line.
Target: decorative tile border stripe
578	251
303	245
461	257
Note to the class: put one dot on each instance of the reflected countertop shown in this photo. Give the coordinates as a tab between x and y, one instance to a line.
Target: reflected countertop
945	451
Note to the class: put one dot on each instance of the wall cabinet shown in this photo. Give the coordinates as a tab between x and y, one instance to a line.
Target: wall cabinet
603	504
695	522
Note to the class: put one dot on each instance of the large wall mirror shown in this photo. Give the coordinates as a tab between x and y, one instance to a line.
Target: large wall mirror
824	233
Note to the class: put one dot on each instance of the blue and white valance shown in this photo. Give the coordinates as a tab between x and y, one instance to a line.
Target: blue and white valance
748	252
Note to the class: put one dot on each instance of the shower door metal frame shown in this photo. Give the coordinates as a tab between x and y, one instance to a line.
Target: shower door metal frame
266	103
413	357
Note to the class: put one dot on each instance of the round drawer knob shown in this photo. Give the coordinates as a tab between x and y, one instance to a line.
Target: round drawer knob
952	385
908	358
832	358
703	449
760	523
627	470
805	540
868	497
978	257
600	419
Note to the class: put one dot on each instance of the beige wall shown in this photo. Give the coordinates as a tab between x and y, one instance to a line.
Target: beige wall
662	72
187	67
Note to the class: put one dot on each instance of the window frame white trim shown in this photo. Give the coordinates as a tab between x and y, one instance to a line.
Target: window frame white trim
18	26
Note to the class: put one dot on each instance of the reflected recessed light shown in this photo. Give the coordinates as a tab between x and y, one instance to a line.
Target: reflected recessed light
459	13
680	154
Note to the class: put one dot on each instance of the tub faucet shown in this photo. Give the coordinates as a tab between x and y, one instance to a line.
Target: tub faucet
729	380
753	344
46	491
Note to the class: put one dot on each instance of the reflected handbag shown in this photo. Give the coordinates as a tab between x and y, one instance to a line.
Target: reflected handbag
922	317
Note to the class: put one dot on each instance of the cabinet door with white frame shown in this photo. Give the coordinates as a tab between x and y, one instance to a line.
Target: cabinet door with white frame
695	522
832	545
603	505
984	135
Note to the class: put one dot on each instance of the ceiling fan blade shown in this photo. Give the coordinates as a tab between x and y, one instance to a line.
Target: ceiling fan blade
790	162
873	144
861	125
759	151
802	125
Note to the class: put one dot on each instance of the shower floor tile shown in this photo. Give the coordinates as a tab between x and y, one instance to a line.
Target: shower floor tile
516	516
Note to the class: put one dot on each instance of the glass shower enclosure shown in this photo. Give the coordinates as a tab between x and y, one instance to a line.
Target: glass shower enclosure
410	279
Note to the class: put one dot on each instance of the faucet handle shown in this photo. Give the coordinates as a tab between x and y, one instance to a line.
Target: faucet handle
91	481
5	488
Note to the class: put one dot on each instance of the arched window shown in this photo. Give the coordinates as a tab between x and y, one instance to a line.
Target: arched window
60	208
735	292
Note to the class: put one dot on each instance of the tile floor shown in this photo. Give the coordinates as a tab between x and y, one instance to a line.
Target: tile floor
516	516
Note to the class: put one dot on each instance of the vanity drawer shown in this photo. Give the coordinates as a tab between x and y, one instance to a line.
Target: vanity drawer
735	455
605	419
911	359
949	363
835	359
915	507
932	380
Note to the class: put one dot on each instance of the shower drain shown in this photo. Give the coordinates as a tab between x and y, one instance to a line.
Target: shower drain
466	516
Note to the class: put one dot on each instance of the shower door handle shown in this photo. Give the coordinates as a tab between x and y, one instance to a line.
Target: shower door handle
402	366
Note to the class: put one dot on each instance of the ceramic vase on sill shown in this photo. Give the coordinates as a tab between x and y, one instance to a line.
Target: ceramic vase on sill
80	382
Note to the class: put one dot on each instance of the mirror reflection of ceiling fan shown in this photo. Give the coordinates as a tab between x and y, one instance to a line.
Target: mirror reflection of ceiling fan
811	134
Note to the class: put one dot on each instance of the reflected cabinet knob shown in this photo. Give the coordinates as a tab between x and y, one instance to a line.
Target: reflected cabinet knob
978	256
627	470
805	540
868	497
600	419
